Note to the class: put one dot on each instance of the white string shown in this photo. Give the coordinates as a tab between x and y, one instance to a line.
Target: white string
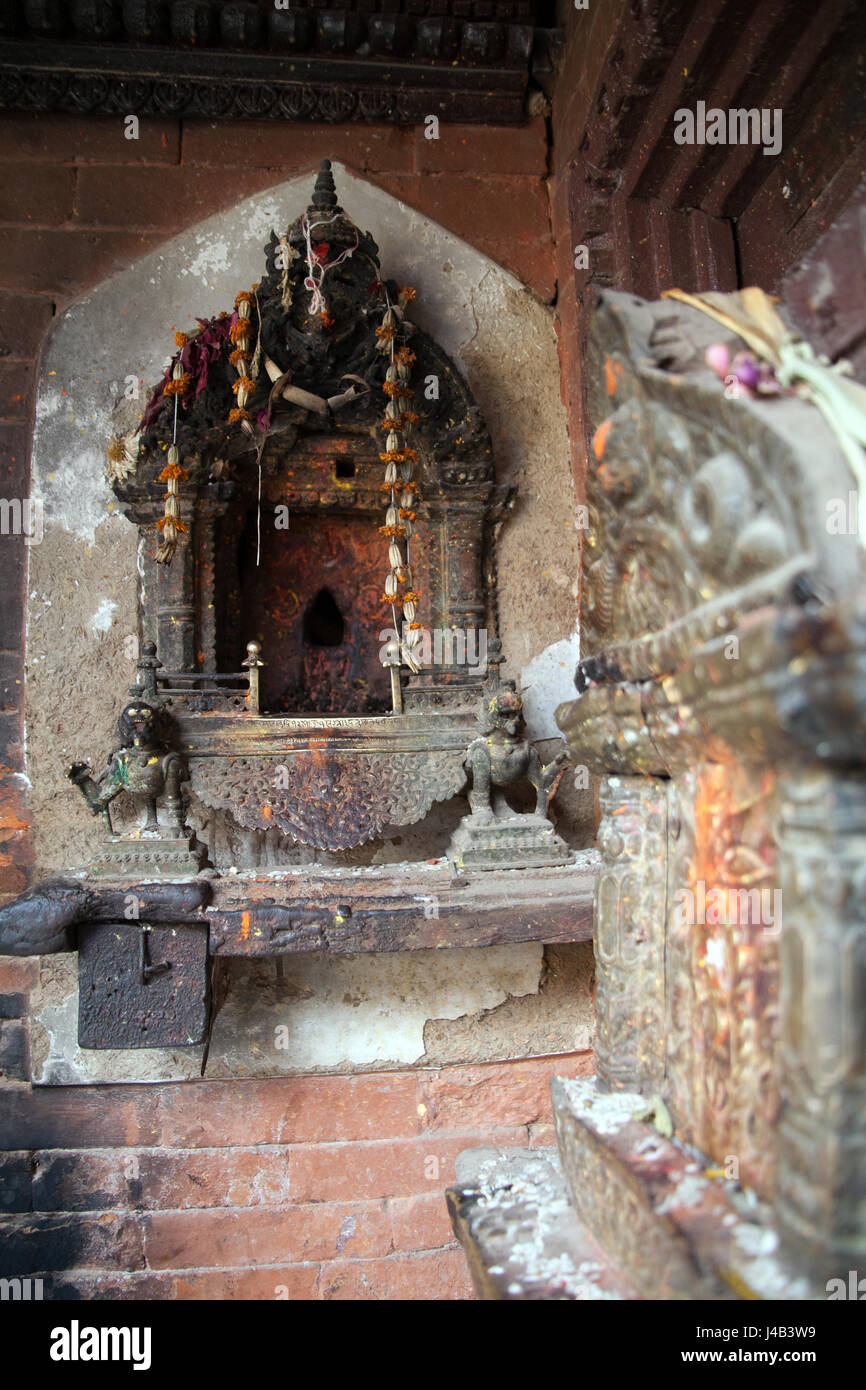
259	513
317	270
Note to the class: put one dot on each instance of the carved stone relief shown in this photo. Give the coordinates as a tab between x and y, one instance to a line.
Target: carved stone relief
822	1137
629	932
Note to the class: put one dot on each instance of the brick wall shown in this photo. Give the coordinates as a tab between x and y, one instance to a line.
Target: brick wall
315	1187
312	1187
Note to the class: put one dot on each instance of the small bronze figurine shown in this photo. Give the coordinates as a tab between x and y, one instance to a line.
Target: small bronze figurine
141	766
493	836
501	756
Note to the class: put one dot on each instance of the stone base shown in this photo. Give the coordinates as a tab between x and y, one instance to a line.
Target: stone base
620	1212
151	856
662	1212
507	842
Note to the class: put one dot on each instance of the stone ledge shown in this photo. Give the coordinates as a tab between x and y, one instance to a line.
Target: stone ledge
522	1240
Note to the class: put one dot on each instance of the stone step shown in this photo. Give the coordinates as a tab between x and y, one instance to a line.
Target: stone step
520	1234
663	1215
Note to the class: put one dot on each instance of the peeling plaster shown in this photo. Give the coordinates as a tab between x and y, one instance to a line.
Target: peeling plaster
300	1014
548	681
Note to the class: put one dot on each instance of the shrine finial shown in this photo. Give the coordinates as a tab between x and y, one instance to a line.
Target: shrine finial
325	192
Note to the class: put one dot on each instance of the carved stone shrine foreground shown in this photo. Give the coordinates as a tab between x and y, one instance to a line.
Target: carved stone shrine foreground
721	1150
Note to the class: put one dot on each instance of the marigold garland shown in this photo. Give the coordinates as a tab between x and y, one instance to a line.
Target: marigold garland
178	386
397	487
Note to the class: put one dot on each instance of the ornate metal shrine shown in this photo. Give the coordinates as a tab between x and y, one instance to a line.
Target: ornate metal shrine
315	494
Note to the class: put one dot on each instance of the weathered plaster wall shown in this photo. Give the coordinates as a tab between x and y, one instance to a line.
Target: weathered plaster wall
81	615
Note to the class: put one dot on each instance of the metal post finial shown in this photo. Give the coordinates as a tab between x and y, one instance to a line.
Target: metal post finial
252	664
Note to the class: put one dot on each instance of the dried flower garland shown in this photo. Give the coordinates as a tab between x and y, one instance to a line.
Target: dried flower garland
401	492
241	333
170	524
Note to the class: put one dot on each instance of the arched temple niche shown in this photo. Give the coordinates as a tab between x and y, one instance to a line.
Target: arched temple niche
83	616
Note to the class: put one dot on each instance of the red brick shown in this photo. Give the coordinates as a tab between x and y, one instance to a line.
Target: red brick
290	1283
17	384
421	1223
290	147
589	35
14	453
24	320
19	974
31	1243
41	194
152	1179
83	1116
293	1110
11	730
531	262
217	1239
294	1283
87	140
400	1168
164	199
496	1093
65	262
484	150
475	207
13	880
435	1277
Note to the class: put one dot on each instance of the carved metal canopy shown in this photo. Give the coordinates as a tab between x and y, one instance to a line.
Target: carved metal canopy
461	60
281	411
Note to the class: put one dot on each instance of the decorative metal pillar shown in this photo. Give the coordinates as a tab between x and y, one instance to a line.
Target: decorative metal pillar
176	641
629	937
465	603
821	1182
